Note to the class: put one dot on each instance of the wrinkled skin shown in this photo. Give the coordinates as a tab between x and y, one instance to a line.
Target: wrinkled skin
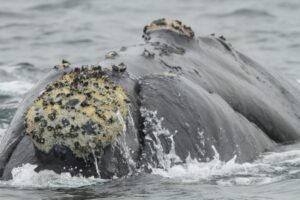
212	99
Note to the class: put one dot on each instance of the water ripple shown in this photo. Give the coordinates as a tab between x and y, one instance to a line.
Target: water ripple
247	12
67	4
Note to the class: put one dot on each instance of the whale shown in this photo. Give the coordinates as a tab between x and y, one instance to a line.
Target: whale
173	98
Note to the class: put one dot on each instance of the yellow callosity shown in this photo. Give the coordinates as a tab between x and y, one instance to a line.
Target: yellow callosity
83	110
171	25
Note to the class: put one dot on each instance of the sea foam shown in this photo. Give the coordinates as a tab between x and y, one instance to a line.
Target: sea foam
15	87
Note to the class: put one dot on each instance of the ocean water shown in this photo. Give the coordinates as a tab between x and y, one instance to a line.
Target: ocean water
36	35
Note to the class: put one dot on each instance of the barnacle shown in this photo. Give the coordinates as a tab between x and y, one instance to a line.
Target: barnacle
82	110
171	25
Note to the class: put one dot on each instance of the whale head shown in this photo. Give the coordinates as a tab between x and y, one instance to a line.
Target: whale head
76	117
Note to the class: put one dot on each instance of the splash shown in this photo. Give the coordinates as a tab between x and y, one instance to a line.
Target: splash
121	140
121	120
270	167
151	120
194	171
2	132
26	177
95	162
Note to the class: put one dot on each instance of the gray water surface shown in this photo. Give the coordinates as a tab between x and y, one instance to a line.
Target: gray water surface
36	35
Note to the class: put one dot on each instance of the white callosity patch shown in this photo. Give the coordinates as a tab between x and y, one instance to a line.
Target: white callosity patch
25	176
165	159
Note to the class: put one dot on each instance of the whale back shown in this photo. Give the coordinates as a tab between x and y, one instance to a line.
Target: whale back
203	88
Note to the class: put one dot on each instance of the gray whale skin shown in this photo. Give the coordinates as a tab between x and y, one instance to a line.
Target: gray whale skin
172	98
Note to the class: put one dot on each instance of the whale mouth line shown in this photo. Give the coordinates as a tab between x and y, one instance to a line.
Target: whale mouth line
81	110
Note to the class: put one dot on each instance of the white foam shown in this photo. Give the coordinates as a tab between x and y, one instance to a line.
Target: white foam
121	120
1	132
15	87
96	162
3	128
151	119
122	143
194	171
264	170
271	167
25	176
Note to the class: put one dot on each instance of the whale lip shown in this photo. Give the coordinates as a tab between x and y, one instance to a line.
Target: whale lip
83	111
175	26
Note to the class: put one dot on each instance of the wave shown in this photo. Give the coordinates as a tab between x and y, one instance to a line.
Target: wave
10	14
247	12
15	87
67	4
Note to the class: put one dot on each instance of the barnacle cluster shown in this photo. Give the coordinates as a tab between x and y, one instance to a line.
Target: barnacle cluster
64	64
171	25
119	68
148	54
83	110
111	55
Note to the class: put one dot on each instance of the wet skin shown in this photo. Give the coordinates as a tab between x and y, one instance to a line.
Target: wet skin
212	99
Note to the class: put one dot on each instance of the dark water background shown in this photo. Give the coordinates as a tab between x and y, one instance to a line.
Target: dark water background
36	35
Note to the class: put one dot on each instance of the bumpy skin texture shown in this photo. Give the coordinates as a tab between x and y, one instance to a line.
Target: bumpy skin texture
83	110
210	97
169	25
16	129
